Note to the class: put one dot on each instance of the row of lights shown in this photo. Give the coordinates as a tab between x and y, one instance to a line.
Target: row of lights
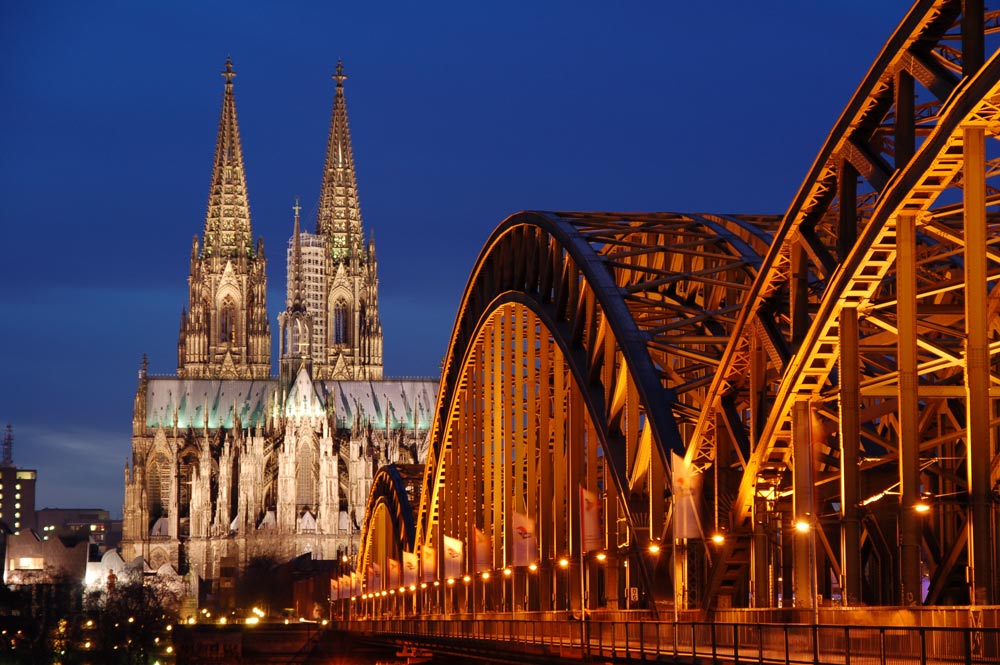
507	572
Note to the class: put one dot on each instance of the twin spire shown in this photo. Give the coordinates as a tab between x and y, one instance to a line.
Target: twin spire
339	218
227	223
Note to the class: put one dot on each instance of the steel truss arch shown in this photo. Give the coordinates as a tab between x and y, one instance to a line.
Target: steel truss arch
866	391
388	528
808	366
638	329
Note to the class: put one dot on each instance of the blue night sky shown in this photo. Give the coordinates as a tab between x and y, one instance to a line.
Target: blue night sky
461	114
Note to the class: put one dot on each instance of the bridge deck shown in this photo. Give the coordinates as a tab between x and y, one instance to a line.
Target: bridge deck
547	638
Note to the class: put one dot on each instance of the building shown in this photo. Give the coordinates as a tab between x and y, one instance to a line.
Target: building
17	490
91	524
229	463
32	559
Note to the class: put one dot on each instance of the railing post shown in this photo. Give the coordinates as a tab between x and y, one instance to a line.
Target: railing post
968	646
736	642
785	627
657	627
815	636
712	629
881	645
923	646
847	646
760	644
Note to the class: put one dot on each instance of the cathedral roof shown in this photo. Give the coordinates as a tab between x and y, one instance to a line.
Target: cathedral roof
227	223
407	403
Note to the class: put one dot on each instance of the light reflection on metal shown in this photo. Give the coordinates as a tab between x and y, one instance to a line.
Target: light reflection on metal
589	346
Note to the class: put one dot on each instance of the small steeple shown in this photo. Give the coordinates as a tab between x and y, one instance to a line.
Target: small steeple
296	299
339	217
227	223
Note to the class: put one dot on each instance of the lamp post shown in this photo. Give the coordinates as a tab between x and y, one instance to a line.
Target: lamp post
806	526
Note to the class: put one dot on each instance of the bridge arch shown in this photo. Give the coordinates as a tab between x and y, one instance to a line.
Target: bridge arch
835	369
580	355
388	527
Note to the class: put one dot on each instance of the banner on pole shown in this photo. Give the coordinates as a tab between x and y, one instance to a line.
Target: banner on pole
525	542
590	521
452	557
393	578
410	563
483	551
428	564
686	488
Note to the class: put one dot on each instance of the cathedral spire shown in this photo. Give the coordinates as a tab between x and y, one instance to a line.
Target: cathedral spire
296	297
339	215
227	223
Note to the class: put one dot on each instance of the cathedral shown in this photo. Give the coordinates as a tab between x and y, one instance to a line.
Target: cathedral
230	463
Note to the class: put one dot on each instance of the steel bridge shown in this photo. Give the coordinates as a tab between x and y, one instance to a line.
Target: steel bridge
650	421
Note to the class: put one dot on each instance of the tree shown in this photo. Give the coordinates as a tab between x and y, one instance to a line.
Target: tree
129	617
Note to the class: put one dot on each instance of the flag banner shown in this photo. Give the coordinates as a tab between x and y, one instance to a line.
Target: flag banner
452	557
410	563
392	577
355	583
483	551
428	563
590	521
334	590
686	489
525	543
374	578
345	587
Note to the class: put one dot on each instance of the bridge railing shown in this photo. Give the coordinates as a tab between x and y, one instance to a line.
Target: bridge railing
655	641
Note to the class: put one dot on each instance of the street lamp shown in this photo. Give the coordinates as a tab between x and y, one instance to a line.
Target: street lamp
805	525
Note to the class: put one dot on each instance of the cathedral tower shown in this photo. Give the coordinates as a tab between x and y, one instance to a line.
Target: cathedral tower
295	323
224	330
346	331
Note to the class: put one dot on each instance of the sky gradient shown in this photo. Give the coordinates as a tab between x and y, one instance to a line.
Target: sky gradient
461	114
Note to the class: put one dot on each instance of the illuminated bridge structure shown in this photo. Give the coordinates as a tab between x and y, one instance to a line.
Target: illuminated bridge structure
787	419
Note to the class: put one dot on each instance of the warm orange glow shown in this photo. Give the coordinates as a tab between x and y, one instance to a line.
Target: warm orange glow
423	585
718	538
507	572
564	562
601	556
533	567
486	576
654	548
467	579
922	507
802	526
451	580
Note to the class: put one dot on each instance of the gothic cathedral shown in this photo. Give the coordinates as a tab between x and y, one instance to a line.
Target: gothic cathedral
229	463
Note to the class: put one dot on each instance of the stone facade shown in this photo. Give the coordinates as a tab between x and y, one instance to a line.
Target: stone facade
229	463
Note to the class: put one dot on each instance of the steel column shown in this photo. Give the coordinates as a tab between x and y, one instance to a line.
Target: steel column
909	410
850	443
977	373
804	502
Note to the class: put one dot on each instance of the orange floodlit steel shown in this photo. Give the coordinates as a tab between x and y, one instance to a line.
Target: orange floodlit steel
620	387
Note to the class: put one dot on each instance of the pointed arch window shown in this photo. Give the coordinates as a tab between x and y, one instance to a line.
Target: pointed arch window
158	487
301	338
340	322
227	321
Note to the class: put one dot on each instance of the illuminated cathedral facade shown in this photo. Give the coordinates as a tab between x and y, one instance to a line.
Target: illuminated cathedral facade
229	463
